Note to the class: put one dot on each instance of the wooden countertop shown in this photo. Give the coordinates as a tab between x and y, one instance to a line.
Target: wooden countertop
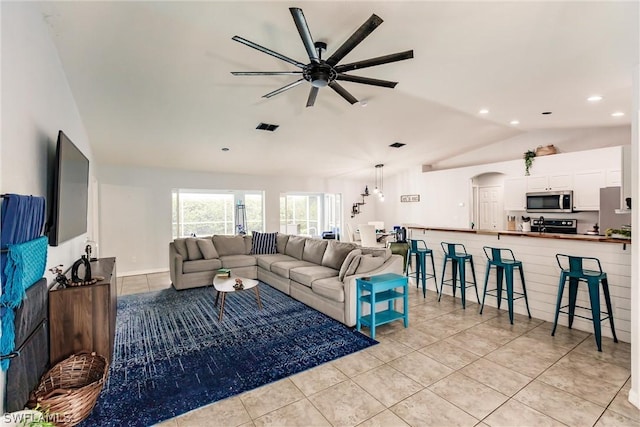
581	237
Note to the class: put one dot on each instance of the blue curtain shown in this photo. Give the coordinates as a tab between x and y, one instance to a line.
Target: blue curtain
22	260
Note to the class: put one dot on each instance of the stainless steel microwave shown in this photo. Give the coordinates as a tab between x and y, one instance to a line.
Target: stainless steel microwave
550	201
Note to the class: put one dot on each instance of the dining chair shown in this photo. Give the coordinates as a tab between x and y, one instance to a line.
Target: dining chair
368	235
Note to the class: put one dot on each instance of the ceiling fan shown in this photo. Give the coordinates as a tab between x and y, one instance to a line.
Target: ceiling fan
320	72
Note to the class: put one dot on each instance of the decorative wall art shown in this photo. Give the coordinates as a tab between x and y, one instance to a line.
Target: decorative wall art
410	198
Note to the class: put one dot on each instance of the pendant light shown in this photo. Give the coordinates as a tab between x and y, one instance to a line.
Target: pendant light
379	190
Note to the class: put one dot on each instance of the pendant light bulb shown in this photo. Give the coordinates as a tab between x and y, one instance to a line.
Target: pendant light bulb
381	197
376	191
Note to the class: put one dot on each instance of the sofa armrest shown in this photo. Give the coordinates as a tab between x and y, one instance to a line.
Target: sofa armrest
175	265
395	264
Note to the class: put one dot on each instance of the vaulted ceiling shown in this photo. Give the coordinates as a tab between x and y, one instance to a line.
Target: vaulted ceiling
154	87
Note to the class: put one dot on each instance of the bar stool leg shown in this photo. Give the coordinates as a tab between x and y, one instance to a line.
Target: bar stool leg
454	274
573	293
423	272
563	279
444	269
607	298
508	271
594	297
463	282
499	274
473	275
524	290
433	266
486	283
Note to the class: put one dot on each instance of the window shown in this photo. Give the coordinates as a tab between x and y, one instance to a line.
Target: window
206	212
310	214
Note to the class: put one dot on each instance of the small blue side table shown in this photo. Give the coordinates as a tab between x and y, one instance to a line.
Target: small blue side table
379	289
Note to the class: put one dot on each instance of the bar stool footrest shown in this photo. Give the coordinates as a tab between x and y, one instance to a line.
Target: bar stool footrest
519	294
605	313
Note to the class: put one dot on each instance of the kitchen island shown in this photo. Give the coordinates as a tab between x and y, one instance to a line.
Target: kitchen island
537	253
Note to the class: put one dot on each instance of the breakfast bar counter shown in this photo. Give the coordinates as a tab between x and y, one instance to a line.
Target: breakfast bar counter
537	252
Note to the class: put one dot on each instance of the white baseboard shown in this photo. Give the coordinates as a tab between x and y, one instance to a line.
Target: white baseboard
140	272
634	398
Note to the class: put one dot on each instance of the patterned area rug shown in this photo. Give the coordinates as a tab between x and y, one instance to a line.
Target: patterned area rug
172	355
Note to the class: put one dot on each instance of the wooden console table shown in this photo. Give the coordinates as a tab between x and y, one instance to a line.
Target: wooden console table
84	317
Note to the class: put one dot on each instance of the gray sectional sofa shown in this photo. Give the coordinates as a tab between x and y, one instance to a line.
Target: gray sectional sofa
320	273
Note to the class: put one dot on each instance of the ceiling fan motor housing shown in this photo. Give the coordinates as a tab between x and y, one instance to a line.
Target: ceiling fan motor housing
319	75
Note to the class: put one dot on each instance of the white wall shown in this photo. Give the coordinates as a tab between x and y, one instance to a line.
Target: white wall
135	208
36	103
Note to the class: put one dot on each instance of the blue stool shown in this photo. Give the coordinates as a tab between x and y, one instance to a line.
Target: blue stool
457	254
573	269
420	250
504	262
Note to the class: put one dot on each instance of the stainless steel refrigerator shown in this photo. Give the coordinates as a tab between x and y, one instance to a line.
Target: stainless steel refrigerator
609	202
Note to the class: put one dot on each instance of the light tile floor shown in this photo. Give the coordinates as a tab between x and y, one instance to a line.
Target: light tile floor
451	367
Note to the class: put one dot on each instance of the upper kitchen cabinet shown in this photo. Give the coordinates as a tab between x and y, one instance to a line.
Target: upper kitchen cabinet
514	193
586	189
552	182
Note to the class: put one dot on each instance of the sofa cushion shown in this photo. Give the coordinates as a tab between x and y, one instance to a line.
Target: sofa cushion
331	288
306	275
314	250
265	261
201	265
282	268
248	244
207	248
229	245
385	253
295	246
336	253
352	256
235	261
369	263
193	252
281	242
181	247
263	243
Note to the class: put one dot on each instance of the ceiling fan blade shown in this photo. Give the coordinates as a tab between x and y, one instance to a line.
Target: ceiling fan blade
360	34
394	57
266	73
366	80
343	92
313	93
283	88
267	51
305	34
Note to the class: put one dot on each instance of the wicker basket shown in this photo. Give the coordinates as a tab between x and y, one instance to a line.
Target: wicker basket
68	391
546	150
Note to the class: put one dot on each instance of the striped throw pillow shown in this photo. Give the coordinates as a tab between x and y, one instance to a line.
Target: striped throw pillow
263	243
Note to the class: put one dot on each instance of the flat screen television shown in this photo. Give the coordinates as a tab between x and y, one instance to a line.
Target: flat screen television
69	193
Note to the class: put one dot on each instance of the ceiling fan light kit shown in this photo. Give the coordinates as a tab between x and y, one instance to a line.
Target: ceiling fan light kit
319	72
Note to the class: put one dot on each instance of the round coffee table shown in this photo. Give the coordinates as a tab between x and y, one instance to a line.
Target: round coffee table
224	285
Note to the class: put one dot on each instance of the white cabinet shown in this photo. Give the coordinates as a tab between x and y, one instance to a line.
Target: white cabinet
586	189
514	194
613	178
553	182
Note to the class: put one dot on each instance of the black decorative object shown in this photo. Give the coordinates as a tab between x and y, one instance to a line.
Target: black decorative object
83	261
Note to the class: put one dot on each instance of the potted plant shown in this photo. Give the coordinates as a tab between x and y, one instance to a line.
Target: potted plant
528	160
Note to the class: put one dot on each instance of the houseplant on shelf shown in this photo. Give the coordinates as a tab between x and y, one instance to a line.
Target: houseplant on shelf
528	160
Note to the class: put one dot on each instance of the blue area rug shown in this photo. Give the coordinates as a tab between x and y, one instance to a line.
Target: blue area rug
172	355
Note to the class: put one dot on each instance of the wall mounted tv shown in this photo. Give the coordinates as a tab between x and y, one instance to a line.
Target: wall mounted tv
69	193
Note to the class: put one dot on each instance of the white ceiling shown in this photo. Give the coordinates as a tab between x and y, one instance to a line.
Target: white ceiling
153	85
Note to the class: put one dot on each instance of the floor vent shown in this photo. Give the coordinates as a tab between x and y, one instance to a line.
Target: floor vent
267	126
397	145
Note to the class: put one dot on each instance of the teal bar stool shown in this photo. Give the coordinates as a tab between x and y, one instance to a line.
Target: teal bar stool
421	251
573	268
457	254
504	262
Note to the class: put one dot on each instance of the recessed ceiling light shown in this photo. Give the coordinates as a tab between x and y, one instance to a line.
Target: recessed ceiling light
594	98
483	111
514	122
225	149
617	114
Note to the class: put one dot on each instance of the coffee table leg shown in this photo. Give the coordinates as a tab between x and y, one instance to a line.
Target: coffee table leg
217	297
258	297
221	305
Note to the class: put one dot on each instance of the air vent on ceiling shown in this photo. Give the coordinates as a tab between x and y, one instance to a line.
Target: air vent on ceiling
397	145
267	126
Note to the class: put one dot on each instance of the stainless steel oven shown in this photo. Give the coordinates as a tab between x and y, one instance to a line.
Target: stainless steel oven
550	201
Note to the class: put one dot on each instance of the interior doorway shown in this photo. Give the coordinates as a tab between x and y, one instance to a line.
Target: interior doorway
488	201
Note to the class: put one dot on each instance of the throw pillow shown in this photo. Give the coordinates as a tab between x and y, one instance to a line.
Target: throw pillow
263	243
192	249
336	253
181	247
369	263
207	248
351	257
